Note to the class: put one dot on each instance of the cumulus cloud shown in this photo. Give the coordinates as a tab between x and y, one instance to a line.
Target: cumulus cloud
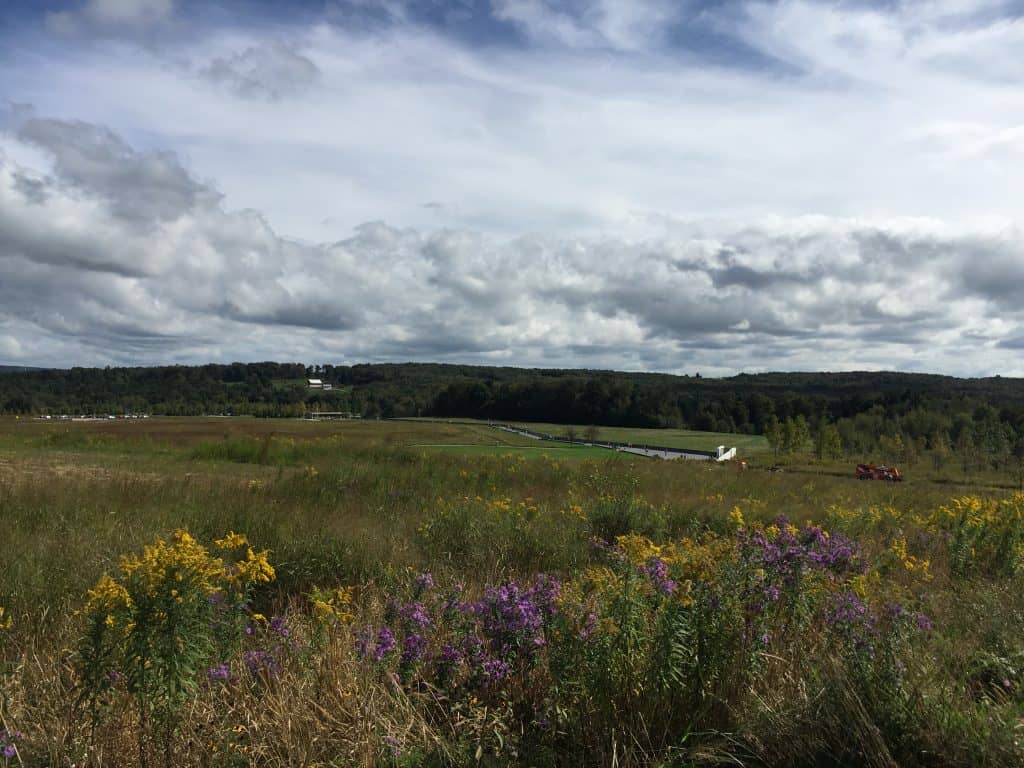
139	186
677	186
180	275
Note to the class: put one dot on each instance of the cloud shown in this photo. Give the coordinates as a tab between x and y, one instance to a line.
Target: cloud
624	26
178	275
679	186
269	71
111	15
138	186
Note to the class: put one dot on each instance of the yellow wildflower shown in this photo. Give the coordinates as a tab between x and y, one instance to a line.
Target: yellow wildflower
332	605
232	541
736	518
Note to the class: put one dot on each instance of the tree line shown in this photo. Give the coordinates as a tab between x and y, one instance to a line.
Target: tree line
898	417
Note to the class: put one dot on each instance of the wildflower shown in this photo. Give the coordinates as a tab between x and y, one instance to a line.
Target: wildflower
261	662
219	672
657	570
277	624
494	671
255	569
385	643
415	614
589	626
847	609
424	582
414	648
5	620
450	655
232	541
736	518
332	605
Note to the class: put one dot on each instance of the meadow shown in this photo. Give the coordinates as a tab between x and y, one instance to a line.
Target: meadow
221	592
748	445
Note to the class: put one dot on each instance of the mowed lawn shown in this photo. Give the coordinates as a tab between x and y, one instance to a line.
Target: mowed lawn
553	450
746	445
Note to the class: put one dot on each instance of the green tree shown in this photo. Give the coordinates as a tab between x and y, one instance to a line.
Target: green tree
795	434
1018	461
939	445
774	434
892	448
966	450
829	445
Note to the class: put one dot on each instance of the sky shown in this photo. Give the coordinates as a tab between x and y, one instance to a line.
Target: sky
712	186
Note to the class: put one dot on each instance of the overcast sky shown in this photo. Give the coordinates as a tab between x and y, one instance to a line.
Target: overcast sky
708	186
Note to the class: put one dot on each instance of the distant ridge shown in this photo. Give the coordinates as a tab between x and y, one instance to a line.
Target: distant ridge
18	368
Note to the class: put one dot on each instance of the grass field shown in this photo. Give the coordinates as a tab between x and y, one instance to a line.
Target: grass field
747	445
679	620
559	451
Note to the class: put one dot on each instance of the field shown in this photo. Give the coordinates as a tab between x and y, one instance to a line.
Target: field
427	594
747	445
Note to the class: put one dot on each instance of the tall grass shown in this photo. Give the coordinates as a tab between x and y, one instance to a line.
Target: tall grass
646	682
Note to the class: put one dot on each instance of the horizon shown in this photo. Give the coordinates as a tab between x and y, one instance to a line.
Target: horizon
694	374
641	186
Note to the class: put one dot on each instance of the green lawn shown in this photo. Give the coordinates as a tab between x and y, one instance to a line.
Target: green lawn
746	445
542	449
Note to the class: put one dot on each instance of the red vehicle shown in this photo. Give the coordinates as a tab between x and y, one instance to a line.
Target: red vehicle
878	472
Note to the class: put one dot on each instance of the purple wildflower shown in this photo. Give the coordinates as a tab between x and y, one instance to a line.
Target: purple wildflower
385	643
424	582
450	655
847	608
589	626
416	615
220	672
656	570
494	670
923	622
10	751
279	625
262	662
414	648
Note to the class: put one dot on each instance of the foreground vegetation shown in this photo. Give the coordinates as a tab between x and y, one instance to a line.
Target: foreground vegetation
204	592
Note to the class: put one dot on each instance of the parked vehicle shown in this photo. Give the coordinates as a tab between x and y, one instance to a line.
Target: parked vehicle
878	472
